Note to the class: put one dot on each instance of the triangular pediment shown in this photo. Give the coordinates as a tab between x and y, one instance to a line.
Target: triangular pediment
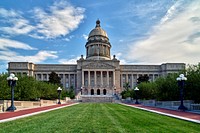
98	65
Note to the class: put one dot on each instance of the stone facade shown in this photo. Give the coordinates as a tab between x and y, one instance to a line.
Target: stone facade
97	74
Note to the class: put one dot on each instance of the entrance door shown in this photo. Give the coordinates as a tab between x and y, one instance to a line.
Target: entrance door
98	91
92	91
104	91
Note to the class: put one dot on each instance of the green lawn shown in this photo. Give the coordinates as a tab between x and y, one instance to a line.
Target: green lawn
98	118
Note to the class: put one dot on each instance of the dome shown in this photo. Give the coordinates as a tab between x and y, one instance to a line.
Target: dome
98	45
98	31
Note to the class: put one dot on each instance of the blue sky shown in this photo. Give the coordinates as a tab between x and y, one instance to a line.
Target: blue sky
140	31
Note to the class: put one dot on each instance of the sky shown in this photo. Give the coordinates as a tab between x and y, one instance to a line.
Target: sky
140	31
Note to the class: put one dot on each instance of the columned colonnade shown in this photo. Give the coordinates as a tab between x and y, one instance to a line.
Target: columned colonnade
102	80
67	79
97	77
131	78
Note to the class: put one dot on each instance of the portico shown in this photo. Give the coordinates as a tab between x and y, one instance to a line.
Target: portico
98	79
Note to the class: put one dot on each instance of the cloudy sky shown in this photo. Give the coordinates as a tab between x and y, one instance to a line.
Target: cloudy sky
140	31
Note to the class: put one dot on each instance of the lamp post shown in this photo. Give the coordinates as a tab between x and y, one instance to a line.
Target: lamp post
12	83
181	83
59	91
136	97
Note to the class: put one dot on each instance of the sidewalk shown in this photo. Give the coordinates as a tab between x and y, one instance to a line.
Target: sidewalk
9	116
188	116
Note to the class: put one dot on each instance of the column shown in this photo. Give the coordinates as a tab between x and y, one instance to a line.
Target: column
83	78
42	77
121	80
107	78
69	80
126	78
101	78
47	77
88	78
95	78
113	78
132	80
153	78
64	80
74	81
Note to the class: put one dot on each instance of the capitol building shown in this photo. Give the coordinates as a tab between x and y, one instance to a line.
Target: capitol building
98	73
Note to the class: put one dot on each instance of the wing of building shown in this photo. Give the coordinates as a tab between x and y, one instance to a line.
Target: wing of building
98	73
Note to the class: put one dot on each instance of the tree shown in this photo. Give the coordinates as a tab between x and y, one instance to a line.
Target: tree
126	92
126	86
70	93
28	88
147	90
192	87
54	78
167	88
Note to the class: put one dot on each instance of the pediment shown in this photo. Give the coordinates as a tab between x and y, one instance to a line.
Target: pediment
98	65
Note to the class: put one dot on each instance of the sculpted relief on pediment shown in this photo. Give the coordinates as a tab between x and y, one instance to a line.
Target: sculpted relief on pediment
98	65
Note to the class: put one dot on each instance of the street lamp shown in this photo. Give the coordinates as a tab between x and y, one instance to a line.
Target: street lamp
12	83
181	82
136	97
59	91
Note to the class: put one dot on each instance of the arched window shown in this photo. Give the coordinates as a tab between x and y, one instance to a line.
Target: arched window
92	91
98	92
104	91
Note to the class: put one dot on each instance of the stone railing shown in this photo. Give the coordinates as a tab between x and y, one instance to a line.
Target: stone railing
195	107
167	104
4	104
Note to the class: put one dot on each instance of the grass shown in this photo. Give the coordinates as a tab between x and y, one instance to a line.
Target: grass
99	118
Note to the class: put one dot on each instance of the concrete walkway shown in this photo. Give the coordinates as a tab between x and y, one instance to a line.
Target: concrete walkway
188	116
9	116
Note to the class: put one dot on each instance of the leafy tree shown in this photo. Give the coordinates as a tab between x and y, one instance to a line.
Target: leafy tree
147	90
167	88
192	87
70	93
54	78
126	86
126	92
4	88
28	88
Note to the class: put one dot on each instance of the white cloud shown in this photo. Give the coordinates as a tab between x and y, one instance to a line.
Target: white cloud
7	43
171	41
6	55
9	13
69	61
85	36
56	21
19	26
11	56
170	13
16	24
59	20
